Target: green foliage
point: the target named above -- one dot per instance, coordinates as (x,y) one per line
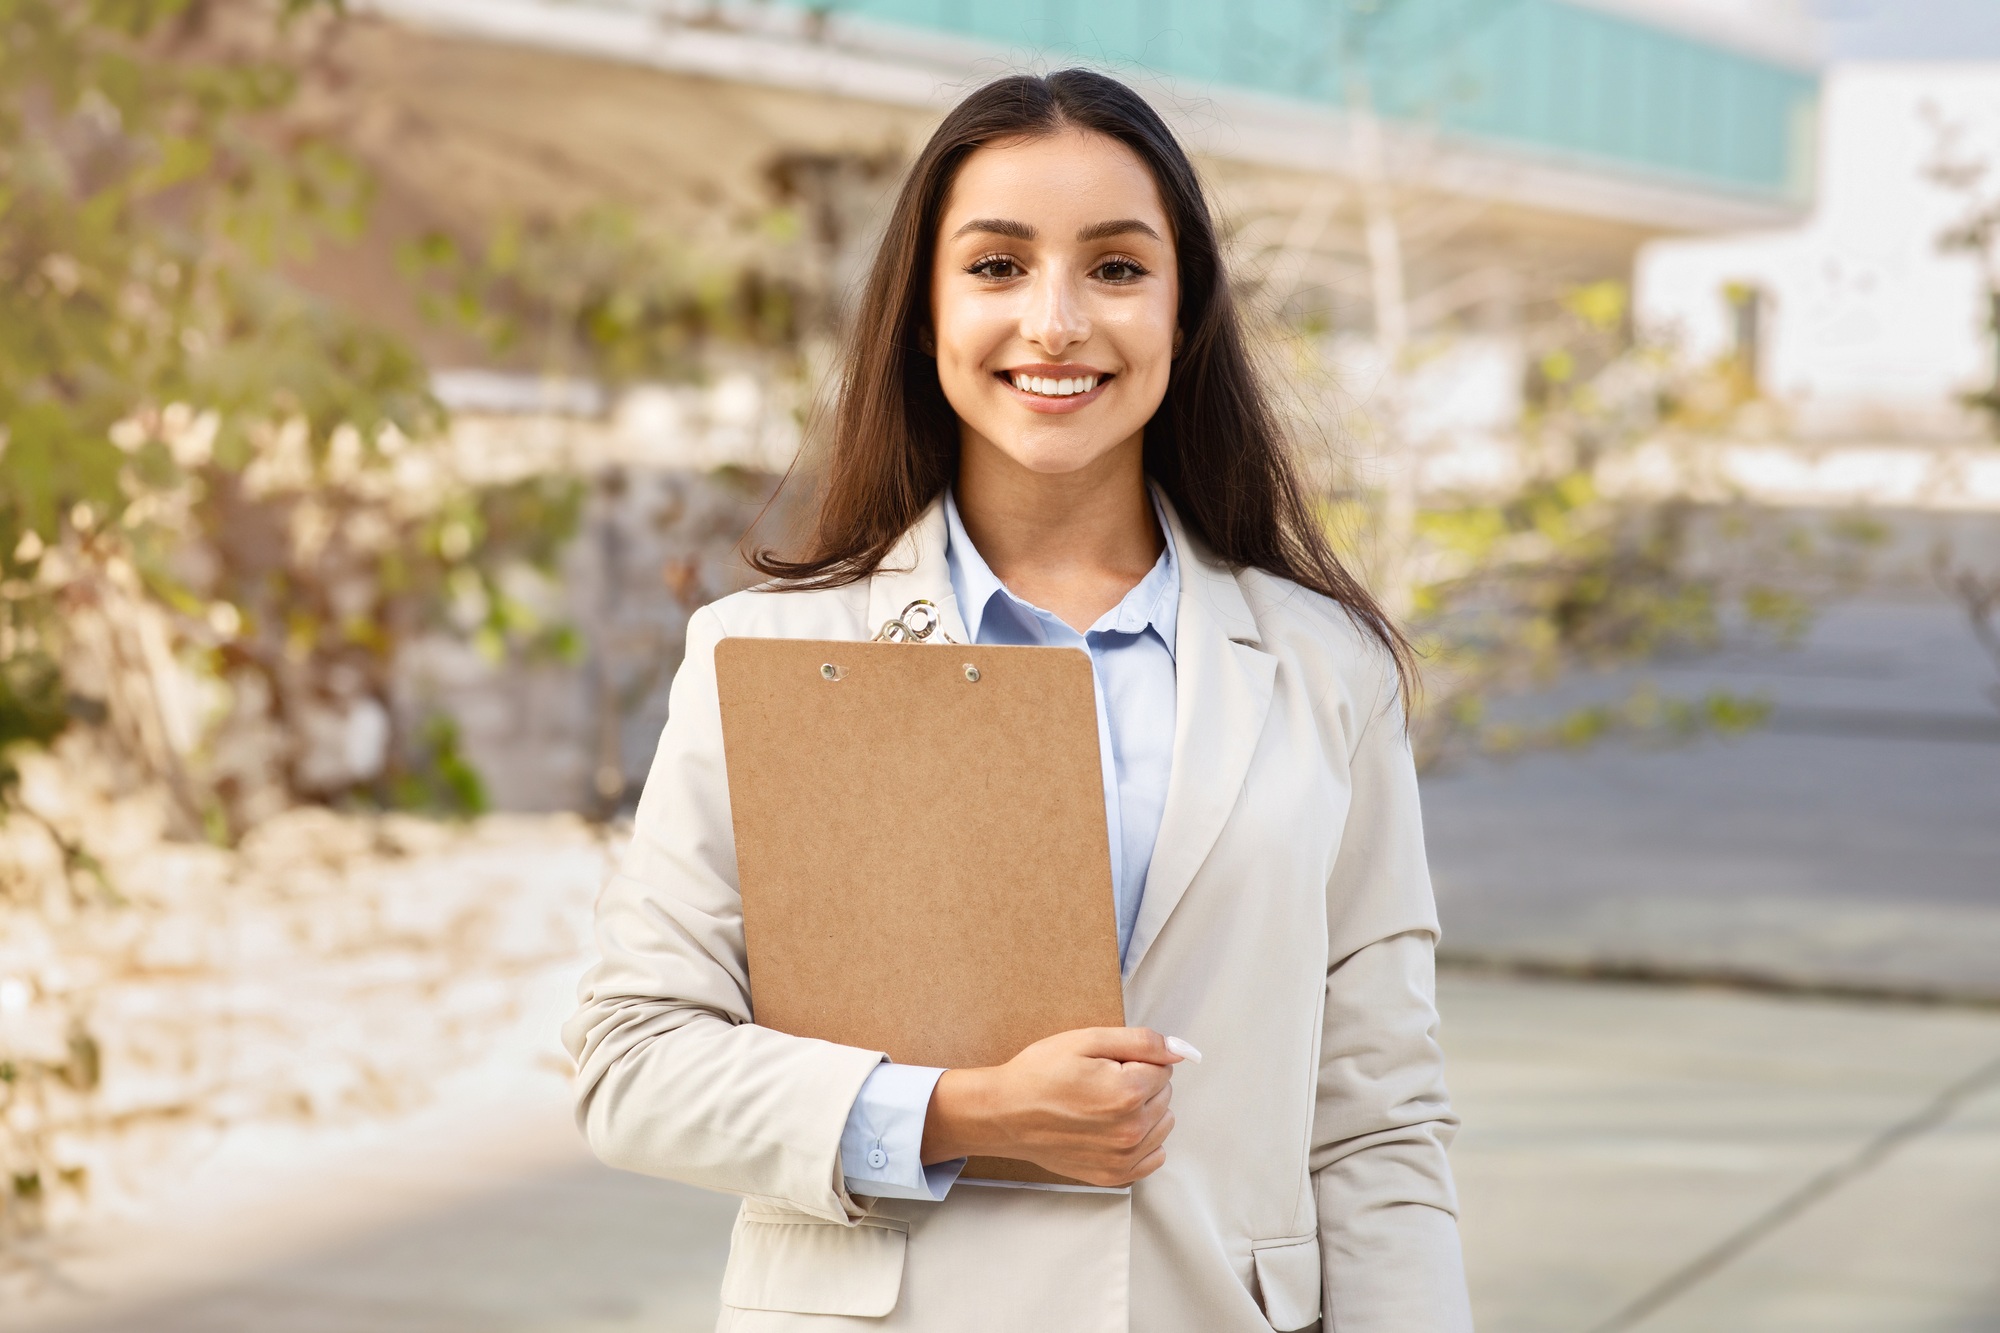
(226,506)
(1974,233)
(602,296)
(443,780)
(1595,581)
(189,437)
(1517,589)
(1645,716)
(28,1085)
(313,590)
(33,709)
(148,180)
(1784,612)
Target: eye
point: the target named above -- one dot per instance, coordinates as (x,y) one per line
(1120,270)
(994,268)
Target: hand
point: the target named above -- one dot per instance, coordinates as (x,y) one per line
(1092,1104)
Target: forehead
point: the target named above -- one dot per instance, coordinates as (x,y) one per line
(1053,181)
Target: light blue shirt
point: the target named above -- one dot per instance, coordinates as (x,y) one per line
(1131,651)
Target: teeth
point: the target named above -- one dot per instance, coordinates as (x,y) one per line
(1055,388)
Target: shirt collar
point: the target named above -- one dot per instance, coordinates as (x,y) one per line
(1153,602)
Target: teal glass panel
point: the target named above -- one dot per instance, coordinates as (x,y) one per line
(1543,75)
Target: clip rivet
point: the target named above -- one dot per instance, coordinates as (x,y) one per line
(971,672)
(831,672)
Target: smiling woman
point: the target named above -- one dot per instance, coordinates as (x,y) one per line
(1088,152)
(1047,427)
(1054,335)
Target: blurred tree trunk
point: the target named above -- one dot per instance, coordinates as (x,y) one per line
(1396,534)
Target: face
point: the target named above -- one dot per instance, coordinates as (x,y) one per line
(1053,300)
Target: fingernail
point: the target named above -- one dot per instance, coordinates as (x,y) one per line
(1184,1050)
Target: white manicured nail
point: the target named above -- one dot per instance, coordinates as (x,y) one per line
(1184,1050)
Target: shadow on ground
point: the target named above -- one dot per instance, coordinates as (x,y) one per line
(579,1249)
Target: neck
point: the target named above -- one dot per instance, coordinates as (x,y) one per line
(1073,543)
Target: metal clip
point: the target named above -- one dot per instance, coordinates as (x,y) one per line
(920,619)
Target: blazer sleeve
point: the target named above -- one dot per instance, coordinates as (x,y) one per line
(1388,1224)
(673,1079)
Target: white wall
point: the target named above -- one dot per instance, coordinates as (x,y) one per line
(1870,330)
(1785,30)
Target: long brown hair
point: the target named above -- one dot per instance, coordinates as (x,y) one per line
(1214,445)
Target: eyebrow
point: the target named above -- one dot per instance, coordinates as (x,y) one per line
(1101,231)
(1021,231)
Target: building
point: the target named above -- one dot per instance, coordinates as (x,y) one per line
(1524,146)
(1425,176)
(1870,328)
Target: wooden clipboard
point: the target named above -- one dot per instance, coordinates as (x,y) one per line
(921,846)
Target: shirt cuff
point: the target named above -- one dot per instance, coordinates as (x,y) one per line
(882,1148)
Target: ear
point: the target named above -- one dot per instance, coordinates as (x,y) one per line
(1177,340)
(927,341)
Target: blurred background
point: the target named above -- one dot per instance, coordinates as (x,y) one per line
(381,388)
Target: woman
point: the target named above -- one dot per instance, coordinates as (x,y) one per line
(1048,427)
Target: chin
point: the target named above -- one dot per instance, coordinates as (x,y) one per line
(1054,457)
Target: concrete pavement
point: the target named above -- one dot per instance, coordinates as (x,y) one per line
(1855,841)
(1613,1134)
(483,1211)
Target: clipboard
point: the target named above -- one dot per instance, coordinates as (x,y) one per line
(921,846)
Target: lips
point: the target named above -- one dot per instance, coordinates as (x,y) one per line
(1043,391)
(1054,386)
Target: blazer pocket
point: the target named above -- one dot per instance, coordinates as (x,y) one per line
(805,1265)
(1287,1280)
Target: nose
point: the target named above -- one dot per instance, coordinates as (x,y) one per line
(1055,319)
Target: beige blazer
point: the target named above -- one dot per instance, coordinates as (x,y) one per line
(1287,931)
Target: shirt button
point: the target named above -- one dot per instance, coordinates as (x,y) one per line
(877,1158)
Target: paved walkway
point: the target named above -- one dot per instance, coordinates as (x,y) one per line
(1855,841)
(483,1212)
(1614,1134)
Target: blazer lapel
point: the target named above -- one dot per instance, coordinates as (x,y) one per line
(916,569)
(1222,696)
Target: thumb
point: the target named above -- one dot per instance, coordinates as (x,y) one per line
(1130,1044)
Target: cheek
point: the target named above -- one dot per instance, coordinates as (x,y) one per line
(1145,336)
(965,331)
